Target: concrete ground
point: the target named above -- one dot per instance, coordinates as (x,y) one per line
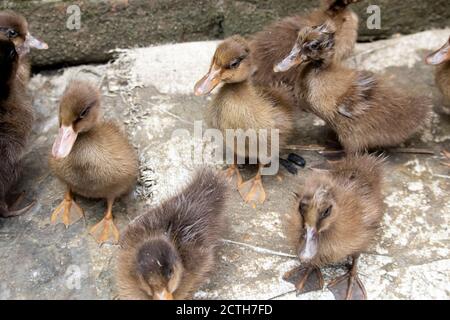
(149,91)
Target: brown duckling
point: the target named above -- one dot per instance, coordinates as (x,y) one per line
(336,215)
(92,158)
(275,42)
(360,106)
(16,120)
(441,58)
(241,105)
(168,252)
(15,27)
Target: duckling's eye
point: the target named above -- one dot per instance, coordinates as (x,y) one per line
(84,113)
(234,64)
(314,45)
(326,213)
(11,33)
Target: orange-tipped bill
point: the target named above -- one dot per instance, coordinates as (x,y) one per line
(292,60)
(64,142)
(206,84)
(163,295)
(439,56)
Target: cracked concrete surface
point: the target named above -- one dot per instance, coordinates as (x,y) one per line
(148,91)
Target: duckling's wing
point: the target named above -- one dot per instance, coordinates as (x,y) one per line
(357,100)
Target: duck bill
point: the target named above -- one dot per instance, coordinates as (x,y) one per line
(439,56)
(64,142)
(32,43)
(206,84)
(163,295)
(292,60)
(311,244)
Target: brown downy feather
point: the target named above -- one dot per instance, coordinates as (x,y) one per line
(102,162)
(275,42)
(241,105)
(16,120)
(184,230)
(352,191)
(360,106)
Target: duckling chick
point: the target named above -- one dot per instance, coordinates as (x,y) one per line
(241,105)
(168,252)
(441,58)
(336,215)
(92,158)
(360,106)
(16,119)
(15,27)
(275,42)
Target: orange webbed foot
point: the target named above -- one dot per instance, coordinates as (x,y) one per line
(105,231)
(67,212)
(252,191)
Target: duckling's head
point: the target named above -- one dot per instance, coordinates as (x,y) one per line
(441,55)
(231,64)
(79,111)
(317,211)
(15,27)
(8,59)
(313,44)
(159,269)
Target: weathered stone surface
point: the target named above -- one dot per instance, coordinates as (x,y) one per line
(148,90)
(110,24)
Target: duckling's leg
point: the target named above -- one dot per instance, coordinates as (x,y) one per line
(231,171)
(305,279)
(234,170)
(252,191)
(68,211)
(348,286)
(106,229)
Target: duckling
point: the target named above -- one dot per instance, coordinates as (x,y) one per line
(336,215)
(15,27)
(168,252)
(92,158)
(241,105)
(441,58)
(16,120)
(360,106)
(275,42)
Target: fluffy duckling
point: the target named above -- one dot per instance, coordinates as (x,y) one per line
(92,158)
(15,27)
(241,105)
(441,58)
(16,120)
(275,42)
(168,252)
(364,111)
(336,215)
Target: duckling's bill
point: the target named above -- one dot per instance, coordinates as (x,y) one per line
(64,142)
(30,43)
(206,84)
(293,59)
(440,56)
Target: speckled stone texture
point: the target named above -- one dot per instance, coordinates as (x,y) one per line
(148,91)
